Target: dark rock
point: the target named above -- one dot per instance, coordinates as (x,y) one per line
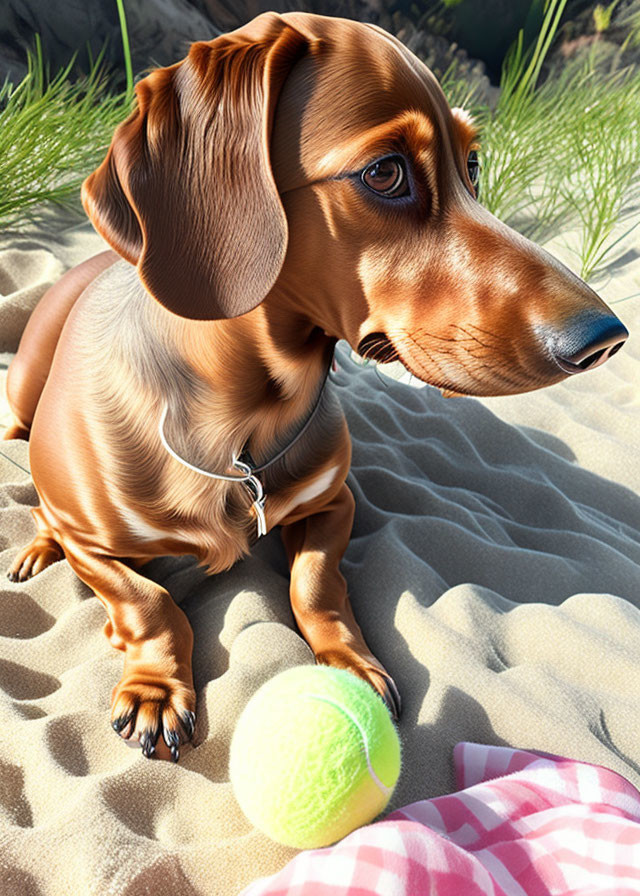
(616,47)
(160,32)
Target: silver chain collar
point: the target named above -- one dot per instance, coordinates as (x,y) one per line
(247,471)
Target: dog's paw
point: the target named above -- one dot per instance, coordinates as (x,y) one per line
(157,712)
(368,668)
(42,552)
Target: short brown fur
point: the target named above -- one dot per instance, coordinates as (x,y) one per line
(245,245)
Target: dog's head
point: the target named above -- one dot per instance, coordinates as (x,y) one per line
(314,164)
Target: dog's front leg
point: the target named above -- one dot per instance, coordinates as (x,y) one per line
(319,599)
(155,694)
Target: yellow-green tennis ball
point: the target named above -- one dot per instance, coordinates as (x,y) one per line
(314,756)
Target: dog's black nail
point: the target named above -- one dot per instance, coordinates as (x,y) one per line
(392,699)
(148,740)
(397,699)
(188,720)
(119,724)
(171,738)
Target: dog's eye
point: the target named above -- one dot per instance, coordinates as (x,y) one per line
(386,177)
(473,167)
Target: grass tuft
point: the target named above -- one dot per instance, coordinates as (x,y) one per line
(564,154)
(561,155)
(52,134)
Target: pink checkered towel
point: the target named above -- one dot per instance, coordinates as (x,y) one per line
(521,824)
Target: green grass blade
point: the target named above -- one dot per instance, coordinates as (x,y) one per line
(52,134)
(125,46)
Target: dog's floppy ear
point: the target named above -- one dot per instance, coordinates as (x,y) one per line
(186,191)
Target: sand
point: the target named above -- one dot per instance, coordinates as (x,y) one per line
(494,567)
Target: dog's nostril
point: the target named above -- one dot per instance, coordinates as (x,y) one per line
(589,342)
(590,360)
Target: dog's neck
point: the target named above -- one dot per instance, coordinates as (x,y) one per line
(262,372)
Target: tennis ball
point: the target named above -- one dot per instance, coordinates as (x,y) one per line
(314,756)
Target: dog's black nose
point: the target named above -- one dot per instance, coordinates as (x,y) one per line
(588,341)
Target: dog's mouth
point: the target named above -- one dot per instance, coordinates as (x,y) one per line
(378,347)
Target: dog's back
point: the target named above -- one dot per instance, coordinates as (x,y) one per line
(30,368)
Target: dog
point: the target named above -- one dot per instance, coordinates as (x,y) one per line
(297,181)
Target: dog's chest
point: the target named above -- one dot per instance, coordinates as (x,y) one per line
(162,505)
(187,512)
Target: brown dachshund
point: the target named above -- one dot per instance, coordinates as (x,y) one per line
(298,181)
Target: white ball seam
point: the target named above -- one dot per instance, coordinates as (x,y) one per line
(363,734)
